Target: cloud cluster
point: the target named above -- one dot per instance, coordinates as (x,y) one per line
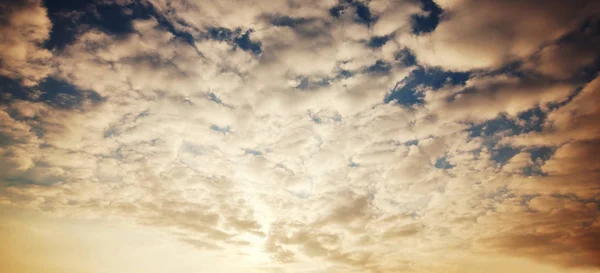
(272,129)
(24,27)
(488,34)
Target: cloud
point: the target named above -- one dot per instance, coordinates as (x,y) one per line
(392,17)
(329,136)
(488,34)
(24,29)
(488,96)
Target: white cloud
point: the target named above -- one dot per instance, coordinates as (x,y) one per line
(23,30)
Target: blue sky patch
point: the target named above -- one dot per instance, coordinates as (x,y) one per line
(542,153)
(308,84)
(286,21)
(245,43)
(405,96)
(344,74)
(61,94)
(235,37)
(380,67)
(362,12)
(490,127)
(427,23)
(353,164)
(336,11)
(70,17)
(443,163)
(412,142)
(12,89)
(378,41)
(225,129)
(531,120)
(214,98)
(222,34)
(52,91)
(406,93)
(503,154)
(253,152)
(406,57)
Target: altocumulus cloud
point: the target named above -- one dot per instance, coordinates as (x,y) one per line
(331,136)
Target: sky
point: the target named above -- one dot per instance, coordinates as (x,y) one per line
(300,136)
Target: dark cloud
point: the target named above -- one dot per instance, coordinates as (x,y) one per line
(572,57)
(575,248)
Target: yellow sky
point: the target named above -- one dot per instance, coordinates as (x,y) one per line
(33,243)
